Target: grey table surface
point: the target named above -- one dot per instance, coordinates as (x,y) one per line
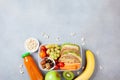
(98,21)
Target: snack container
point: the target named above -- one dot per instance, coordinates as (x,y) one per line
(40,59)
(46,69)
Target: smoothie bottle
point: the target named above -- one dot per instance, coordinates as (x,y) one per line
(31,67)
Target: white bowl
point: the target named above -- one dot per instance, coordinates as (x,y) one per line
(34,45)
(45,68)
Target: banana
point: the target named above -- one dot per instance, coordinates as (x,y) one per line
(90,66)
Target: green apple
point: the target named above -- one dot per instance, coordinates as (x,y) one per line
(52,75)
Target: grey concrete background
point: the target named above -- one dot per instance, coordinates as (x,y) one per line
(98,21)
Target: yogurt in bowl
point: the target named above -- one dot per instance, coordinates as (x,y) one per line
(31,45)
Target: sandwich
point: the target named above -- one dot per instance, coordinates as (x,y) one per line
(70,55)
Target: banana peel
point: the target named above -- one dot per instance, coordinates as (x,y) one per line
(90,66)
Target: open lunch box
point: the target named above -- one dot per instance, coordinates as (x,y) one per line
(60,57)
(65,58)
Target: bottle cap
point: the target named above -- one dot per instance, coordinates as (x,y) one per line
(25,54)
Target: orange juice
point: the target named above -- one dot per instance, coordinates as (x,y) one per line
(31,67)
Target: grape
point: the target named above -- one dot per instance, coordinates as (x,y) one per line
(48,51)
(51,45)
(58,48)
(53,50)
(58,55)
(58,51)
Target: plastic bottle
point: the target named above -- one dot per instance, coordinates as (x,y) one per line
(31,67)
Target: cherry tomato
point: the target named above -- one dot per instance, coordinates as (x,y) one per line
(61,64)
(56,67)
(42,54)
(43,48)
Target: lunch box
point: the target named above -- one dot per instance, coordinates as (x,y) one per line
(40,59)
